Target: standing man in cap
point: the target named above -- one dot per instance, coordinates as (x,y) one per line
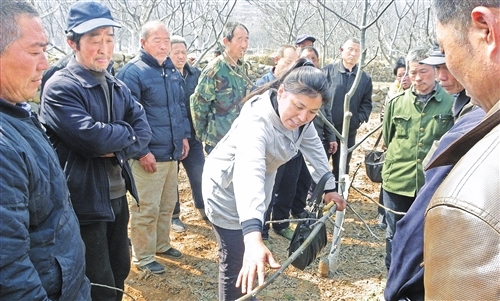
(42,253)
(412,122)
(95,126)
(304,40)
(448,82)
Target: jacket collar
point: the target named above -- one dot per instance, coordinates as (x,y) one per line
(342,69)
(83,75)
(13,110)
(437,91)
(151,61)
(188,68)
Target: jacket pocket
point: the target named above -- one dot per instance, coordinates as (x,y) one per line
(443,123)
(402,124)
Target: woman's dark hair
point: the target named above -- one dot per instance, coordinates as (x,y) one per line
(400,63)
(302,78)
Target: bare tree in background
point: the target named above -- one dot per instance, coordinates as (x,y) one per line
(405,26)
(370,15)
(285,19)
(200,22)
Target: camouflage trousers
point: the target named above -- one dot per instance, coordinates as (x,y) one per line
(150,224)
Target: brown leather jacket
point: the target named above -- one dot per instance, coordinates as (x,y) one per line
(462,223)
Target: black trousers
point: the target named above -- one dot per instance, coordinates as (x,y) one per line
(351,140)
(107,253)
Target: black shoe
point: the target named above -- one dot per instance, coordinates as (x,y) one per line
(154,267)
(177,225)
(172,253)
(303,214)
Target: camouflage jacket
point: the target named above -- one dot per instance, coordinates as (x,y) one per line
(216,101)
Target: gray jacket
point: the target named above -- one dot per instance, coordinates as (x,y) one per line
(239,173)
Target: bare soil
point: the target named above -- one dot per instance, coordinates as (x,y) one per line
(361,274)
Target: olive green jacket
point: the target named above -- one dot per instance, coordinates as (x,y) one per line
(409,131)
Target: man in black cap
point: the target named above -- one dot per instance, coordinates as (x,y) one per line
(304,40)
(95,126)
(448,82)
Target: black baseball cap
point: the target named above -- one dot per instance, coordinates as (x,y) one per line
(304,37)
(86,16)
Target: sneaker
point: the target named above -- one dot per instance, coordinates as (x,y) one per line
(177,225)
(267,244)
(154,267)
(286,233)
(172,253)
(203,214)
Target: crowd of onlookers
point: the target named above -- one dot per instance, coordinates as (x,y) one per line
(253,153)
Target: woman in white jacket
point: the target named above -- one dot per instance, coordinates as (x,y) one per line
(238,176)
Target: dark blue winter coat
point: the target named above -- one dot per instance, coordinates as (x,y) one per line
(42,255)
(189,83)
(158,88)
(76,117)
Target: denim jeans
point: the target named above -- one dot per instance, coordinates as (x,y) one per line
(107,256)
(397,203)
(193,164)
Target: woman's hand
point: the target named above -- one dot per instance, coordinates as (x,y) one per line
(254,260)
(337,198)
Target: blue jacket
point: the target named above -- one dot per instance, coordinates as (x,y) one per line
(76,118)
(266,78)
(158,89)
(406,275)
(341,82)
(42,255)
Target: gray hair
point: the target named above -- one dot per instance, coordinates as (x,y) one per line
(352,39)
(308,49)
(458,12)
(417,54)
(149,26)
(281,51)
(230,27)
(176,39)
(10,11)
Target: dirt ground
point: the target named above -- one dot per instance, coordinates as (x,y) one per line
(361,274)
